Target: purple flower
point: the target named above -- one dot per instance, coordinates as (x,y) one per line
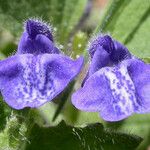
(38,72)
(117,84)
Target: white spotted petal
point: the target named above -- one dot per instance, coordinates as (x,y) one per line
(116,92)
(30,81)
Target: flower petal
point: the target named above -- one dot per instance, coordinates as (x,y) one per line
(140,74)
(35,27)
(123,93)
(37,79)
(41,44)
(104,41)
(109,91)
(100,59)
(94,95)
(9,67)
(120,53)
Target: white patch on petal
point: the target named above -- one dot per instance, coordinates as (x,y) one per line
(33,87)
(122,87)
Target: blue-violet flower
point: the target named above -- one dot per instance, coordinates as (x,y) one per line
(117,83)
(38,71)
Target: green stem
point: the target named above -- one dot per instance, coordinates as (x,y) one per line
(64,99)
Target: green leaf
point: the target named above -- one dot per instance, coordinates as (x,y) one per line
(137,124)
(93,136)
(13,13)
(5,112)
(147,60)
(128,21)
(5,138)
(65,96)
(13,134)
(47,112)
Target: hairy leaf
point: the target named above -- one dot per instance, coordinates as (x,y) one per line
(136,124)
(93,136)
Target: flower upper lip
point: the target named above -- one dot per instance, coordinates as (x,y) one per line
(37,39)
(35,27)
(104,41)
